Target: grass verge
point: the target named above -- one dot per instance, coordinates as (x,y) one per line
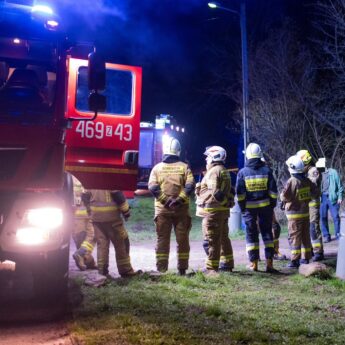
(237,308)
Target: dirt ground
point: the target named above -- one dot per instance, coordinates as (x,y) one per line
(143,257)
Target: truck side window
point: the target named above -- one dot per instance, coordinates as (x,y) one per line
(119,90)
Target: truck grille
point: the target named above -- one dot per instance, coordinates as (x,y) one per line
(10,158)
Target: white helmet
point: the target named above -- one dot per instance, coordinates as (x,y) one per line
(295,165)
(321,163)
(215,154)
(171,146)
(253,151)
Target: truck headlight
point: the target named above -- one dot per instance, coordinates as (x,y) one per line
(38,225)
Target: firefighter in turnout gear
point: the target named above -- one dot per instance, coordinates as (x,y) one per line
(214,199)
(296,195)
(108,209)
(171,182)
(256,191)
(314,205)
(83,232)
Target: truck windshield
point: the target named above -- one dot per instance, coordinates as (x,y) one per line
(27,81)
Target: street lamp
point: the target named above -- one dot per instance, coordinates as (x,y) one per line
(245,93)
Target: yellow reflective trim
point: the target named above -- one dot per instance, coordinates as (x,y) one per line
(72,168)
(241,197)
(297,216)
(103,208)
(269,245)
(295,251)
(256,184)
(226,257)
(248,248)
(80,213)
(314,203)
(212,209)
(261,204)
(303,193)
(316,245)
(273,195)
(306,250)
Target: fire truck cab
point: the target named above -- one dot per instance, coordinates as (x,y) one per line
(48,131)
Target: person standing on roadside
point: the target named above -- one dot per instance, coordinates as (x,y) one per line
(256,192)
(214,199)
(332,193)
(171,182)
(314,205)
(108,209)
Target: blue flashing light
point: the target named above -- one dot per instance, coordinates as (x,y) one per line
(42,9)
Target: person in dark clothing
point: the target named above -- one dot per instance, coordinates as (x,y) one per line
(256,191)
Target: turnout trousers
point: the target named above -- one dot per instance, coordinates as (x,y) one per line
(181,222)
(217,243)
(315,230)
(253,217)
(115,233)
(299,239)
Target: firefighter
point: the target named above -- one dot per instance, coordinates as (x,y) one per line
(171,182)
(256,191)
(314,205)
(214,199)
(108,209)
(83,232)
(296,195)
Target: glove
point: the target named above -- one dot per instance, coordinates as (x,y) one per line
(126,214)
(169,202)
(176,203)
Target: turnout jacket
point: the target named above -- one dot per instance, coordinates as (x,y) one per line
(106,206)
(171,178)
(214,194)
(256,186)
(296,195)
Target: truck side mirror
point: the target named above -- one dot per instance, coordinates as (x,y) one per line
(96,72)
(97,102)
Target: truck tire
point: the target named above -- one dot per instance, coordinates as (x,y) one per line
(50,277)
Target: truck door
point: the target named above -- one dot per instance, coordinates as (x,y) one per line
(103,153)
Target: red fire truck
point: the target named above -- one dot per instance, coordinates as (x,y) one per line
(47,131)
(152,135)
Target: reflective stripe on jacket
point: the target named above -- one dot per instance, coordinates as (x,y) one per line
(173,179)
(256,186)
(103,208)
(296,195)
(215,191)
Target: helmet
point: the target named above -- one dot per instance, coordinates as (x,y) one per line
(253,151)
(321,163)
(171,146)
(295,165)
(215,154)
(305,156)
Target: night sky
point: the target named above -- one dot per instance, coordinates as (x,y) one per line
(175,44)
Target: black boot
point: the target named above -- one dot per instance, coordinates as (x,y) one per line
(293,264)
